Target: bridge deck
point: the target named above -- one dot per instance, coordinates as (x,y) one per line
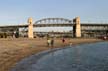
(52,25)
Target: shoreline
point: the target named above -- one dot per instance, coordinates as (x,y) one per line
(15,50)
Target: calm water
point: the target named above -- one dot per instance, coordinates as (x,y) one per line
(86,57)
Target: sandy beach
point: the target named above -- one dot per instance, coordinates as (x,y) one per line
(14,50)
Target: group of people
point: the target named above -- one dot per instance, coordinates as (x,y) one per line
(50,41)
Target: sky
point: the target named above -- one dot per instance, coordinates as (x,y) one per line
(14,12)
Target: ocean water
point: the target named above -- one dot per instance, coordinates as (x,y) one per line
(85,57)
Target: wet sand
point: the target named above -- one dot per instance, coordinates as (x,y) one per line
(14,50)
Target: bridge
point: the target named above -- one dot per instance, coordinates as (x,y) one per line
(79,29)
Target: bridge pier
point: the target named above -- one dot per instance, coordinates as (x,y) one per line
(77,27)
(30,28)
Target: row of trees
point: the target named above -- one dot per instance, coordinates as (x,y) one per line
(5,35)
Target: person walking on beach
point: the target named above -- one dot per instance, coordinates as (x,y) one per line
(52,42)
(63,40)
(48,42)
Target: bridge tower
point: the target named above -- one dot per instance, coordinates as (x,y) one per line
(77,27)
(30,28)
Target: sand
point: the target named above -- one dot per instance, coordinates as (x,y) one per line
(14,50)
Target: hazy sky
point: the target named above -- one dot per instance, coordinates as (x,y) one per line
(17,11)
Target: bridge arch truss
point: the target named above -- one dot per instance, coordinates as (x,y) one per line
(53,21)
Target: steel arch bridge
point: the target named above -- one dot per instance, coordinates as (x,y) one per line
(87,29)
